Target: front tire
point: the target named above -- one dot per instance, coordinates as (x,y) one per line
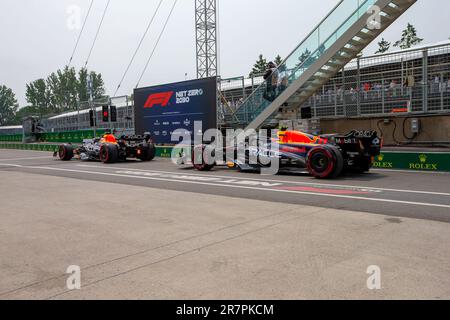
(109,153)
(65,152)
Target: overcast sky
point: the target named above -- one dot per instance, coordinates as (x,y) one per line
(35,38)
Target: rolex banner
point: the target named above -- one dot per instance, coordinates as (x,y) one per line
(413,161)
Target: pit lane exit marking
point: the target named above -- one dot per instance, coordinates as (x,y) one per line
(232,186)
(362,188)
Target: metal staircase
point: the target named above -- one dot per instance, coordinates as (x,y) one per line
(339,38)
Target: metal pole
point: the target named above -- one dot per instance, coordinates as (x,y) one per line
(78,115)
(335,99)
(92,105)
(441,88)
(358,91)
(425,82)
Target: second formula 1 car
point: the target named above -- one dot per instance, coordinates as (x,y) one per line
(323,157)
(110,149)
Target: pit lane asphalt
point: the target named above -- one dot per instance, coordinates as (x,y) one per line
(397,194)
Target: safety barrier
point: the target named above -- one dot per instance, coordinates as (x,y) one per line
(161,151)
(11,138)
(57,137)
(30,147)
(70,136)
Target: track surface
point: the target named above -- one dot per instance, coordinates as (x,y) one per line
(398,194)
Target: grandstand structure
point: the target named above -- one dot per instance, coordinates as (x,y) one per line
(414,81)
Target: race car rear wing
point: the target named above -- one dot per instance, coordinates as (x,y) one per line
(361,140)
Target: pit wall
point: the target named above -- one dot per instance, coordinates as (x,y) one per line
(434,128)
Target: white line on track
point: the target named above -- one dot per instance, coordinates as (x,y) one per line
(412,172)
(276,181)
(30,158)
(234,186)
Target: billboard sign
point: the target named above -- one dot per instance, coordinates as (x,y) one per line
(163,109)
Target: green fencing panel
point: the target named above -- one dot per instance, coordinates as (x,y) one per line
(58,137)
(11,138)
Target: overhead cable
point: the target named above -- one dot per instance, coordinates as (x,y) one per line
(81,33)
(138,47)
(157,42)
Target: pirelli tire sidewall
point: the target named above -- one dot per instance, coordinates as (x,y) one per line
(340,163)
(325,162)
(109,153)
(65,152)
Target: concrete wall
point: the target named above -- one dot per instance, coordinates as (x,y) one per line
(433,128)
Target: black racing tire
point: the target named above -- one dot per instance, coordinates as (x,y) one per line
(339,168)
(148,153)
(321,162)
(200,164)
(109,153)
(65,152)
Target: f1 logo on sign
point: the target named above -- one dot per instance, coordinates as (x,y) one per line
(161,99)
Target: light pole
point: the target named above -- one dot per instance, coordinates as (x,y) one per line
(91,102)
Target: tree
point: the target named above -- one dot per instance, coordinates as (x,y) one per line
(278,60)
(383,46)
(260,66)
(62,90)
(23,113)
(37,95)
(8,106)
(305,59)
(409,38)
(98,85)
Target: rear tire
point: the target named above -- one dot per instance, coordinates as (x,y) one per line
(339,169)
(322,163)
(109,153)
(65,152)
(148,153)
(198,159)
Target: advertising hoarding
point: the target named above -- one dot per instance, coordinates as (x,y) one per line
(162,109)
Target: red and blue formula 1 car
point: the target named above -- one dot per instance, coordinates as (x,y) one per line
(110,149)
(323,157)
